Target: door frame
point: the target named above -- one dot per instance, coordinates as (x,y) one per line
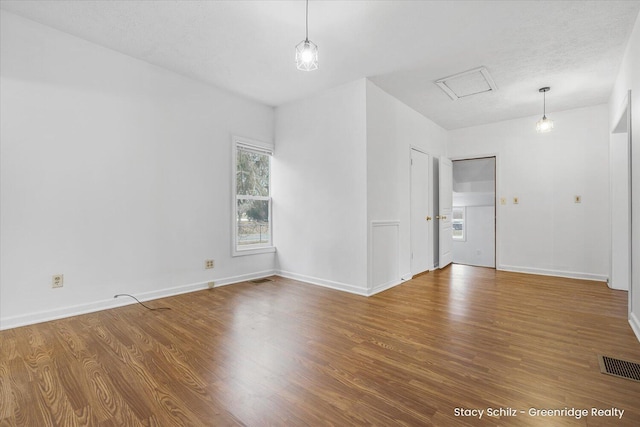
(496,202)
(621,127)
(624,118)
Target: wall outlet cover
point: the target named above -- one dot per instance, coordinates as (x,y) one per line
(57,280)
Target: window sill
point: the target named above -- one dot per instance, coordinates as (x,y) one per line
(253,251)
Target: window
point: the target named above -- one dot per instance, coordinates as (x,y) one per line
(252,198)
(459,229)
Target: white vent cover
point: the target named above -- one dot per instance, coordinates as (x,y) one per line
(469,83)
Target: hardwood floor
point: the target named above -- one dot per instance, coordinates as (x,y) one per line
(288,353)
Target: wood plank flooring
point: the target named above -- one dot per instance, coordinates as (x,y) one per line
(287,353)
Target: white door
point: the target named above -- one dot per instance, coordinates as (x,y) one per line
(421,243)
(445,235)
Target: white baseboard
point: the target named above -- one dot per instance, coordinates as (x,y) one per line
(343,286)
(244,277)
(379,288)
(556,273)
(60,313)
(635,325)
(75,310)
(384,287)
(323,282)
(617,288)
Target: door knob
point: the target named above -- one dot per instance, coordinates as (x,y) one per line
(437,216)
(443,217)
(428,218)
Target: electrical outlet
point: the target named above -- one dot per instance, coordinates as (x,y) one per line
(516,200)
(208,264)
(57,280)
(577,199)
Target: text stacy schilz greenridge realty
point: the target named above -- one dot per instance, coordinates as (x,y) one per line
(502,412)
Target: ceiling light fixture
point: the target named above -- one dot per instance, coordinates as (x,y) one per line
(307,51)
(544,124)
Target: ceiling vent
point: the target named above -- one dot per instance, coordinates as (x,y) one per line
(469,83)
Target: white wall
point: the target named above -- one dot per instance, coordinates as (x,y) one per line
(320,189)
(345,154)
(620,218)
(115,173)
(478,248)
(392,129)
(547,233)
(629,79)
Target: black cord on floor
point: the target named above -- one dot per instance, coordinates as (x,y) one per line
(148,308)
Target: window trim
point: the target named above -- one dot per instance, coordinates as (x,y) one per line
(238,142)
(464,223)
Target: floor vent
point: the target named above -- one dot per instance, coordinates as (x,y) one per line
(263,280)
(619,368)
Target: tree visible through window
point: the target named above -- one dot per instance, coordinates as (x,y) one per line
(253,197)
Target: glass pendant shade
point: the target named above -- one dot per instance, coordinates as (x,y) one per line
(306,56)
(544,125)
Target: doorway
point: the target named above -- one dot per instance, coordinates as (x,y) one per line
(474,212)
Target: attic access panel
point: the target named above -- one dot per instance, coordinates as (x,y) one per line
(469,83)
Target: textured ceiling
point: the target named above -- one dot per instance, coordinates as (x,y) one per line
(247,47)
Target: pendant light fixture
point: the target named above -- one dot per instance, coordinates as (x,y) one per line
(307,51)
(544,124)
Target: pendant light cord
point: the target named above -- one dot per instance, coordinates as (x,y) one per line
(306,23)
(544,104)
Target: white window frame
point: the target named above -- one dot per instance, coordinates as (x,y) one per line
(260,147)
(464,223)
